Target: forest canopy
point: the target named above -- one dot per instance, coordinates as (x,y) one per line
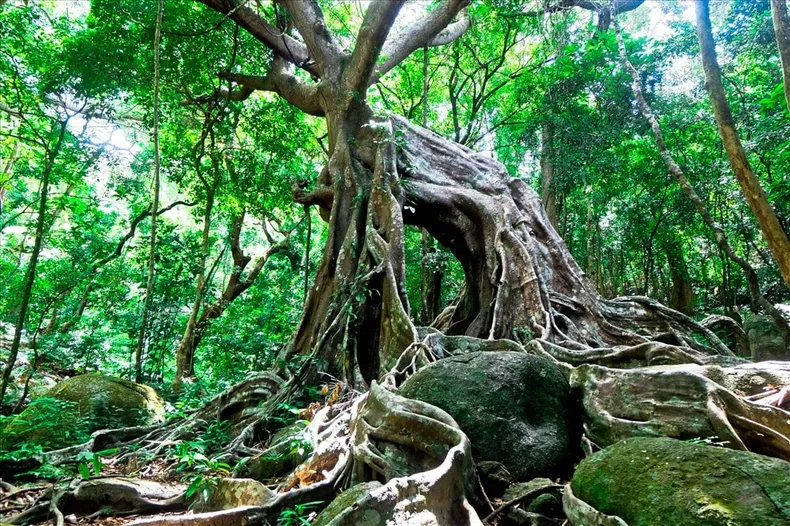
(285,213)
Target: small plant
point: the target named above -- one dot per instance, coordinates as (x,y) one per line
(203,474)
(299,515)
(216,435)
(42,423)
(88,460)
(708,441)
(200,486)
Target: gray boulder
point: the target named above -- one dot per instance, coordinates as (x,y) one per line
(515,408)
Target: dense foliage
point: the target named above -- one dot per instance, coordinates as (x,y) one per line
(75,104)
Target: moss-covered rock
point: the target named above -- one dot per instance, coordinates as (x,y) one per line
(515,408)
(288,448)
(76,407)
(345,500)
(766,340)
(648,481)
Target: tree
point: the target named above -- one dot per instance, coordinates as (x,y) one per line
(680,177)
(36,115)
(384,172)
(782,30)
(149,288)
(523,289)
(772,230)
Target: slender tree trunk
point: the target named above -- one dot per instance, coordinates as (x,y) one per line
(185,354)
(430,278)
(782,30)
(236,286)
(149,288)
(30,274)
(677,173)
(774,235)
(681,296)
(307,252)
(548,192)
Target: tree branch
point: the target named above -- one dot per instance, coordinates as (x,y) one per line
(452,32)
(132,229)
(419,34)
(603,8)
(322,196)
(321,44)
(278,79)
(283,45)
(375,27)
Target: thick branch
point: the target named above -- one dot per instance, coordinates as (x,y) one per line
(419,34)
(278,79)
(378,21)
(283,45)
(322,196)
(602,8)
(321,44)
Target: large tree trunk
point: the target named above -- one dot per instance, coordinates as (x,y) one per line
(774,235)
(521,281)
(782,30)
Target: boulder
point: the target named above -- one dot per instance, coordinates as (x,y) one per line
(648,481)
(289,447)
(515,408)
(766,340)
(76,407)
(345,500)
(229,493)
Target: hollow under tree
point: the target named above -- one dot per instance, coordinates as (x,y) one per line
(383,172)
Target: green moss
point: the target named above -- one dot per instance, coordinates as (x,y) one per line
(648,481)
(74,408)
(344,501)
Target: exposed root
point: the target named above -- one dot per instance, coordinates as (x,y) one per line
(685,402)
(735,328)
(525,496)
(53,507)
(241,516)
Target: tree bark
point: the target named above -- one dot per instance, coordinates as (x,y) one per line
(774,235)
(782,30)
(30,274)
(548,192)
(682,294)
